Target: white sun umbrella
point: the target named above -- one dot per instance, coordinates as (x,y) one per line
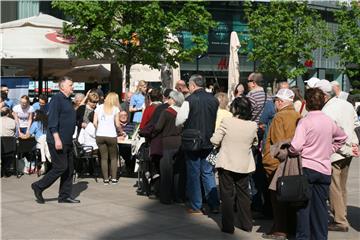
(234,71)
(33,38)
(37,43)
(87,73)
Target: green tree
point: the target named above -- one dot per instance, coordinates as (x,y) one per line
(131,32)
(284,34)
(347,38)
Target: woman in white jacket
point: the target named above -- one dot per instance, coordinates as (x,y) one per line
(87,135)
(235,136)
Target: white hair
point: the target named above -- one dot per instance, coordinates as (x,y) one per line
(63,79)
(79,96)
(178,98)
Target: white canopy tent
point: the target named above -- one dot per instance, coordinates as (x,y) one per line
(36,43)
(86,73)
(36,37)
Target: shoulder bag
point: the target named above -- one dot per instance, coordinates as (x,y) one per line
(357,132)
(191,140)
(302,107)
(293,188)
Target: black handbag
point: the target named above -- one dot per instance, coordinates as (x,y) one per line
(294,188)
(191,140)
(213,156)
(357,131)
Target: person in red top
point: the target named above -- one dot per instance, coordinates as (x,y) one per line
(155,100)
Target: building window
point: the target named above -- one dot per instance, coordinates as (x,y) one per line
(8,11)
(27,8)
(46,8)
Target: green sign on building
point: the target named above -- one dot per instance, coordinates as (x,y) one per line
(219,37)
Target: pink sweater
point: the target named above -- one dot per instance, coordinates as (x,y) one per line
(316,138)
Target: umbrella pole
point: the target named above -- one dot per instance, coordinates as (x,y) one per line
(40,75)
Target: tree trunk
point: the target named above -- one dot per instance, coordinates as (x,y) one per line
(116,79)
(127,76)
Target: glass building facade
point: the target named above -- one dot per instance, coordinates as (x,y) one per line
(230,17)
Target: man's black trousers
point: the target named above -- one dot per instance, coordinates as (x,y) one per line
(63,167)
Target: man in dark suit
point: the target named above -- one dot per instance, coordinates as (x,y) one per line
(61,126)
(201,117)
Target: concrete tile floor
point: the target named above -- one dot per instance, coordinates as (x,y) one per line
(116,212)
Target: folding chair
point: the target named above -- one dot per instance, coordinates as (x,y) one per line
(8,154)
(143,169)
(140,151)
(28,147)
(83,153)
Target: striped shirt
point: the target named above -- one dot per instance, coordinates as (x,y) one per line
(257,99)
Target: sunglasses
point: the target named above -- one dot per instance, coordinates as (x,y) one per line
(94,101)
(250,80)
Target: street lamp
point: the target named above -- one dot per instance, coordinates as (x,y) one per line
(198,57)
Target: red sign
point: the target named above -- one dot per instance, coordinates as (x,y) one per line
(49,90)
(223,63)
(58,38)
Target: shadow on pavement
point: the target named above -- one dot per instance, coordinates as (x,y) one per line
(78,188)
(169,222)
(263,223)
(160,221)
(353,214)
(51,199)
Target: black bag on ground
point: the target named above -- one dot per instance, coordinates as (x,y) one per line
(294,188)
(191,140)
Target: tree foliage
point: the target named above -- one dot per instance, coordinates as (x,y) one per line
(347,38)
(284,34)
(133,32)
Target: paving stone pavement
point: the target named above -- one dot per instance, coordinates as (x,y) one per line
(116,212)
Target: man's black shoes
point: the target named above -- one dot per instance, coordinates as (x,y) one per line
(38,193)
(40,199)
(68,200)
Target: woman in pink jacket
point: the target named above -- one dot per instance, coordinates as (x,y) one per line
(316,138)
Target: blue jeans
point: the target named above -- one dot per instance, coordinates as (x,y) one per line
(22,130)
(196,167)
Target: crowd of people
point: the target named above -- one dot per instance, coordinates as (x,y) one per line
(251,135)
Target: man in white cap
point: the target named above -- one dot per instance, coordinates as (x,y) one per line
(311,82)
(282,128)
(343,113)
(341,94)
